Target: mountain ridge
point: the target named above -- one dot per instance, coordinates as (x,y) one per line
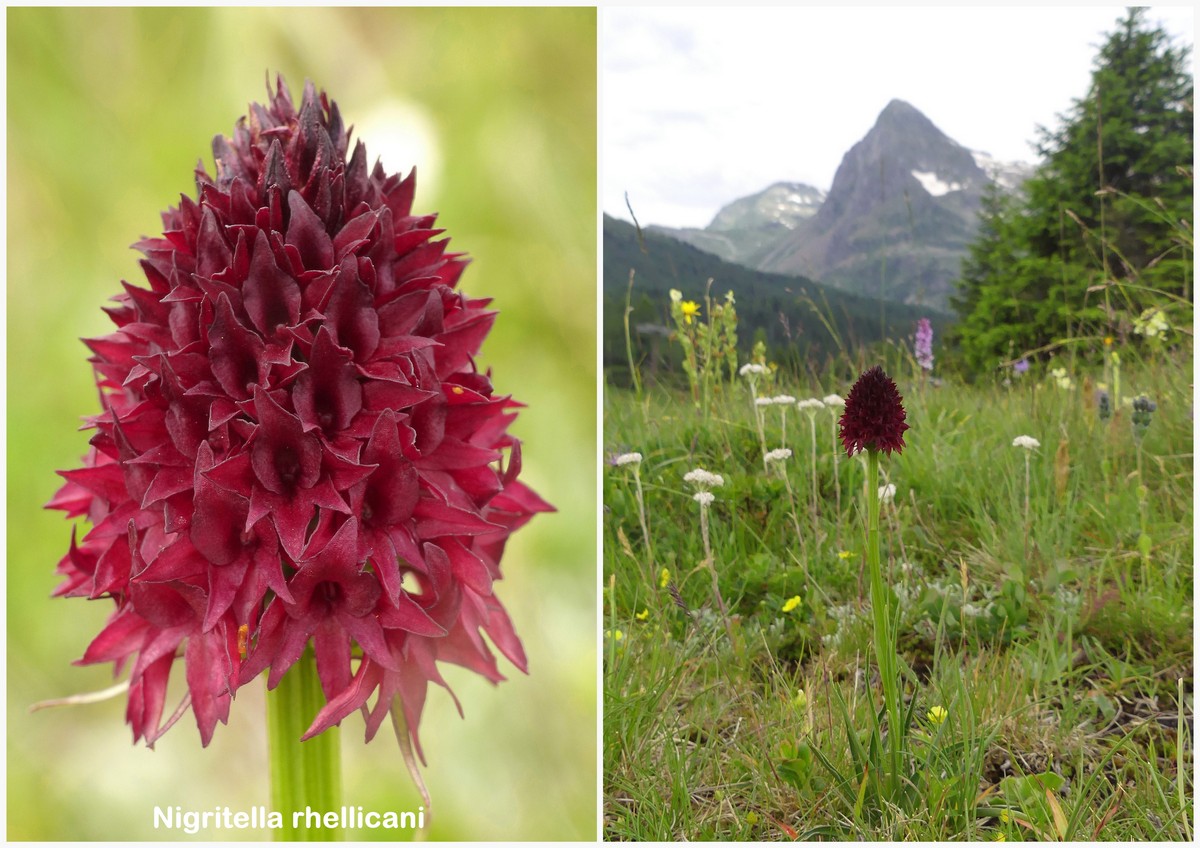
(788,312)
(896,222)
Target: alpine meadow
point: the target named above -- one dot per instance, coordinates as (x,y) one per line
(918,569)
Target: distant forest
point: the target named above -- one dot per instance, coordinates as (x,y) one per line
(794,316)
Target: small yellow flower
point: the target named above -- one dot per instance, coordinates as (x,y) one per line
(791,603)
(664,578)
(937,715)
(1005,817)
(615,635)
(844,554)
(1108,341)
(1000,837)
(643,615)
(752,818)
(690,310)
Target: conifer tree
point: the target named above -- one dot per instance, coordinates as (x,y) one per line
(1103,228)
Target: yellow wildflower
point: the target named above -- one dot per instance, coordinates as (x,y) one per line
(690,310)
(643,615)
(664,578)
(844,554)
(1108,341)
(791,603)
(752,818)
(937,715)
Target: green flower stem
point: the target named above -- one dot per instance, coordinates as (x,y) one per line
(716,588)
(759,415)
(812,420)
(837,483)
(633,367)
(1026,509)
(885,647)
(303,774)
(641,502)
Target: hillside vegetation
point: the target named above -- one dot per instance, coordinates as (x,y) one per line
(799,320)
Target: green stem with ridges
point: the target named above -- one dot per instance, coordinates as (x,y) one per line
(303,774)
(885,648)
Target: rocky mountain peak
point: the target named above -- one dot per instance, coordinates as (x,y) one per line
(903,156)
(780,204)
(895,223)
(898,217)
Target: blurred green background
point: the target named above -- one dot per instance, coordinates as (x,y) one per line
(108,113)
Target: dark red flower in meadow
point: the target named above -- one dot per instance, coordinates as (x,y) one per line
(296,448)
(874,415)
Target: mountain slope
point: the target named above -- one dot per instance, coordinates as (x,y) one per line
(898,218)
(749,228)
(895,224)
(784,308)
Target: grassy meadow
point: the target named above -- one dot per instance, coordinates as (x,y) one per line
(1044,633)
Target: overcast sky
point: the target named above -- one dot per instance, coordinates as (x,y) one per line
(702,106)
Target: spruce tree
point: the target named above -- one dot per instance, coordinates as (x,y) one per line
(1103,228)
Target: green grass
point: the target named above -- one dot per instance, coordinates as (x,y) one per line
(1056,653)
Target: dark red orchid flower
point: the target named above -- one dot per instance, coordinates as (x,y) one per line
(874,415)
(296,449)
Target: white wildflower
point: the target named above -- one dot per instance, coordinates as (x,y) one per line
(627,459)
(777,455)
(1151,323)
(810,405)
(783,400)
(676,295)
(752,368)
(1061,377)
(1027,442)
(704,479)
(835,401)
(764,401)
(704,498)
(887,493)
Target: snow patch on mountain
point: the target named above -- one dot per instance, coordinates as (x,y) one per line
(933,184)
(806,199)
(1008,175)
